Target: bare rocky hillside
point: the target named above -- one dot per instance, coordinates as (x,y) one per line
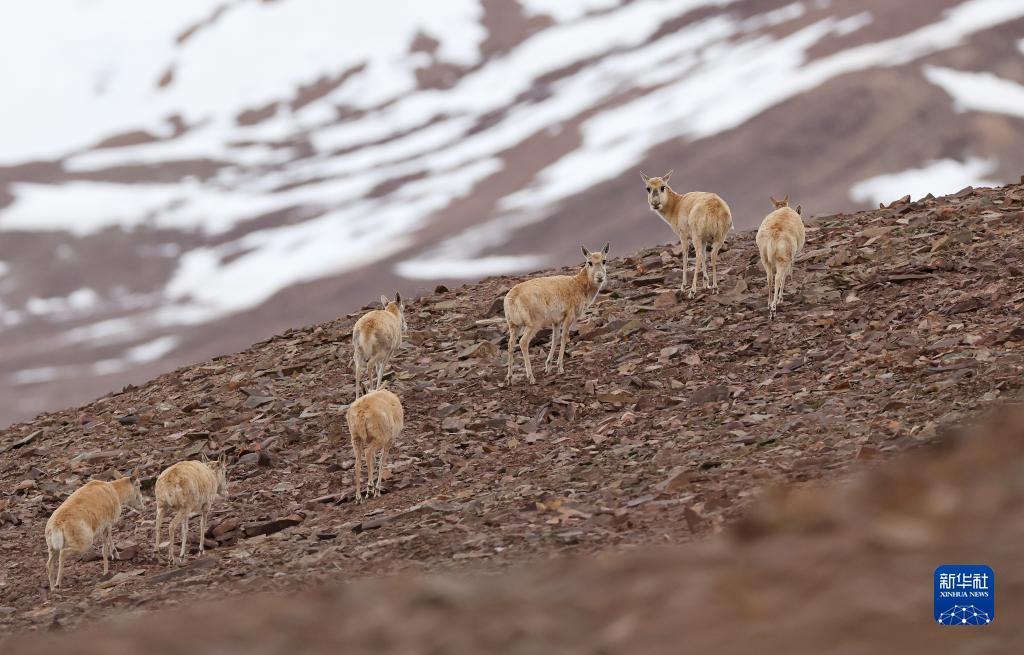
(673,415)
(825,571)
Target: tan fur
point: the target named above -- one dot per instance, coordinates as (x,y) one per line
(556,300)
(699,217)
(188,488)
(374,422)
(376,337)
(91,511)
(779,239)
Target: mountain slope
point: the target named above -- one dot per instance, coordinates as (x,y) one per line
(195,178)
(845,568)
(672,415)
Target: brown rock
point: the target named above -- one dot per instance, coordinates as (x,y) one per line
(224,527)
(25,485)
(694,521)
(867,452)
(270,527)
(712,394)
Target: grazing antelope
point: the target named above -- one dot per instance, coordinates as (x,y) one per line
(779,239)
(91,511)
(188,488)
(376,337)
(374,422)
(698,216)
(556,300)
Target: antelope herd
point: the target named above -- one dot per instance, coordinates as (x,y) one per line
(376,418)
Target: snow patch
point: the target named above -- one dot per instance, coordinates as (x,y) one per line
(468,269)
(108,331)
(76,302)
(10,317)
(565,10)
(83,208)
(854,23)
(144,353)
(979,91)
(775,17)
(36,375)
(938,177)
(152,350)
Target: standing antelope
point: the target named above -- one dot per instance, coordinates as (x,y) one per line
(374,422)
(556,300)
(376,337)
(698,216)
(187,488)
(91,511)
(779,239)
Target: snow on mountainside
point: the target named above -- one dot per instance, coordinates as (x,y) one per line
(179,179)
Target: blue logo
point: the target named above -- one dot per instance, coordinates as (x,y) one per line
(965,594)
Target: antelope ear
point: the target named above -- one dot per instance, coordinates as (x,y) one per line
(774,201)
(384,300)
(786,199)
(606,246)
(586,253)
(398,298)
(667,175)
(644,175)
(799,210)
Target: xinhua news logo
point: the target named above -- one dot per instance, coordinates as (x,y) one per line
(965,594)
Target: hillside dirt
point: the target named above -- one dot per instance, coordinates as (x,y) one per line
(672,417)
(823,571)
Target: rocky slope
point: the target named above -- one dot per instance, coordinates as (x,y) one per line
(180,182)
(672,416)
(843,569)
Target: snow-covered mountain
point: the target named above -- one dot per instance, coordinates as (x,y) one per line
(178,179)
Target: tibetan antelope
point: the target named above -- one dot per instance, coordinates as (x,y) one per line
(701,217)
(779,240)
(556,300)
(91,511)
(374,422)
(376,337)
(188,488)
